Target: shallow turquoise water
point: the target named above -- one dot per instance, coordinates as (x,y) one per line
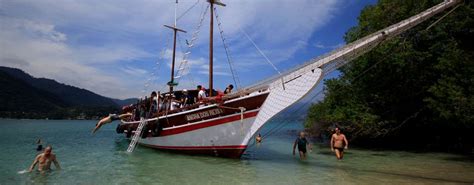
(101,159)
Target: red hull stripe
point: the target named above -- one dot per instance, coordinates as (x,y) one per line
(197,147)
(206,124)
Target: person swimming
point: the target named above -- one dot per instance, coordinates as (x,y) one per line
(259,138)
(110,119)
(39,145)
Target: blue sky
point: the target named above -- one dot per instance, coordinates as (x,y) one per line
(120,49)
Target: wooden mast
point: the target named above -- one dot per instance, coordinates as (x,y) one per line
(171,83)
(211,43)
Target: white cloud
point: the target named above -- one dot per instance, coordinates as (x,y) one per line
(110,54)
(134,71)
(108,46)
(41,50)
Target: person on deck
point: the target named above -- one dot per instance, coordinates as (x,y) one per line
(228,89)
(187,99)
(153,104)
(174,103)
(339,143)
(44,160)
(202,94)
(302,143)
(109,119)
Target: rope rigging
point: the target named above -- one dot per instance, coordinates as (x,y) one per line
(227,51)
(154,70)
(183,67)
(327,69)
(187,10)
(260,51)
(302,80)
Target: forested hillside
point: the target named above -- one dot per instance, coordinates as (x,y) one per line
(23,96)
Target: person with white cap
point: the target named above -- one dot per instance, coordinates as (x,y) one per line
(175,104)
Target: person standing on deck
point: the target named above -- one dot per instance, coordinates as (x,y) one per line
(44,160)
(154,104)
(202,94)
(302,143)
(228,89)
(339,143)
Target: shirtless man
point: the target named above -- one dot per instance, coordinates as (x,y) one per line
(44,160)
(338,143)
(109,119)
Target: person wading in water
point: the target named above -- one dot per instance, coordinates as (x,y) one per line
(44,160)
(339,143)
(302,142)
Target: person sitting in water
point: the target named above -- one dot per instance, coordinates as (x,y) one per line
(109,119)
(39,145)
(228,89)
(301,142)
(44,160)
(258,139)
(339,143)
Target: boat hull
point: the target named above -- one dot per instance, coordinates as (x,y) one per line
(215,129)
(221,137)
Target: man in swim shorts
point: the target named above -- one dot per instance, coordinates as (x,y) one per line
(302,143)
(44,160)
(109,119)
(339,143)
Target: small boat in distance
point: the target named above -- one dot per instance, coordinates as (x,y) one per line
(222,125)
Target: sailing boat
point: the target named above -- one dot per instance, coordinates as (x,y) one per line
(223,125)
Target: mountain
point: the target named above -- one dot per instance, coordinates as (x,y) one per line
(17,95)
(24,96)
(125,101)
(71,95)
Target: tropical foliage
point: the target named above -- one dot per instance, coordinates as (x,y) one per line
(413,90)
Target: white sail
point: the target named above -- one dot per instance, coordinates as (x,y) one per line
(288,88)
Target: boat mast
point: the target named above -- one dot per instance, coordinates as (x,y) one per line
(171,83)
(211,43)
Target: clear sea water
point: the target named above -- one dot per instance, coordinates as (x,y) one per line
(101,159)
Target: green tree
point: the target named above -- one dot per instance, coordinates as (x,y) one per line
(422,80)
